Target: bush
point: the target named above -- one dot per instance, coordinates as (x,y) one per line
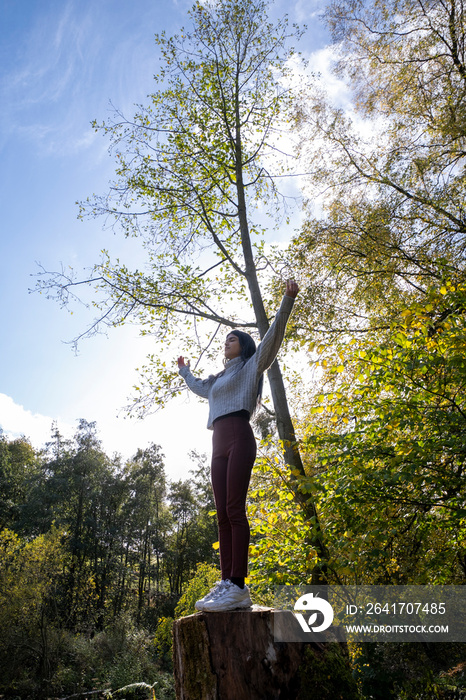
(121,661)
(205,577)
(163,642)
(410,671)
(203,580)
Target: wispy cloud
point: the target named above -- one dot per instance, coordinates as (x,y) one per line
(304,10)
(62,72)
(41,88)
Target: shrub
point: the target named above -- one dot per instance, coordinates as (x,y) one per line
(205,577)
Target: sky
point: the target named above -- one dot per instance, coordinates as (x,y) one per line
(62,62)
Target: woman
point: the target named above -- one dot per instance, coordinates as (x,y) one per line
(233,396)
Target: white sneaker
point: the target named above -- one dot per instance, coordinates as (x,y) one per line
(215,591)
(229,597)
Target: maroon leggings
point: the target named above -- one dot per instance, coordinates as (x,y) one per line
(233,454)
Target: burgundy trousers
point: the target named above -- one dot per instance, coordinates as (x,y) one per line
(233,454)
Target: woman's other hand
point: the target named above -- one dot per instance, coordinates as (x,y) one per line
(292,289)
(182,363)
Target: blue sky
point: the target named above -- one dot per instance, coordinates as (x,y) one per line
(62,62)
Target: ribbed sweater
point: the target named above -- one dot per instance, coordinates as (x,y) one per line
(235,389)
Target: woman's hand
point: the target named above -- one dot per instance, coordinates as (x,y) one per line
(292,289)
(182,363)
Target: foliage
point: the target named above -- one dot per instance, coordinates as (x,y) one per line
(392,218)
(17,463)
(204,579)
(407,671)
(381,261)
(163,641)
(40,659)
(329,671)
(120,661)
(280,552)
(389,448)
(28,585)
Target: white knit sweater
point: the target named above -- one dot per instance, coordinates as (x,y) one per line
(236,387)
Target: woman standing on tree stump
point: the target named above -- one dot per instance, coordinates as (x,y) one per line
(233,395)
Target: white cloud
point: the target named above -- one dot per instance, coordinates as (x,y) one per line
(178,430)
(322,63)
(16,421)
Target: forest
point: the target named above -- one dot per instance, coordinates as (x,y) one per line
(94,552)
(360,474)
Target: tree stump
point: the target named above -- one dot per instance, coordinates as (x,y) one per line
(233,656)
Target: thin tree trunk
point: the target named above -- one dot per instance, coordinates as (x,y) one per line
(283,418)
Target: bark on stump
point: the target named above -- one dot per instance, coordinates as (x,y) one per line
(233,656)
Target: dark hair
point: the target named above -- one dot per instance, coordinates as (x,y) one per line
(247,344)
(248,348)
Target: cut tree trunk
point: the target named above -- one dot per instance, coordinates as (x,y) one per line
(234,656)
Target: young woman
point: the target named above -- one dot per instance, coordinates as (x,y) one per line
(233,396)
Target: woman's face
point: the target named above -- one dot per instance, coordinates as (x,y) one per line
(232,346)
